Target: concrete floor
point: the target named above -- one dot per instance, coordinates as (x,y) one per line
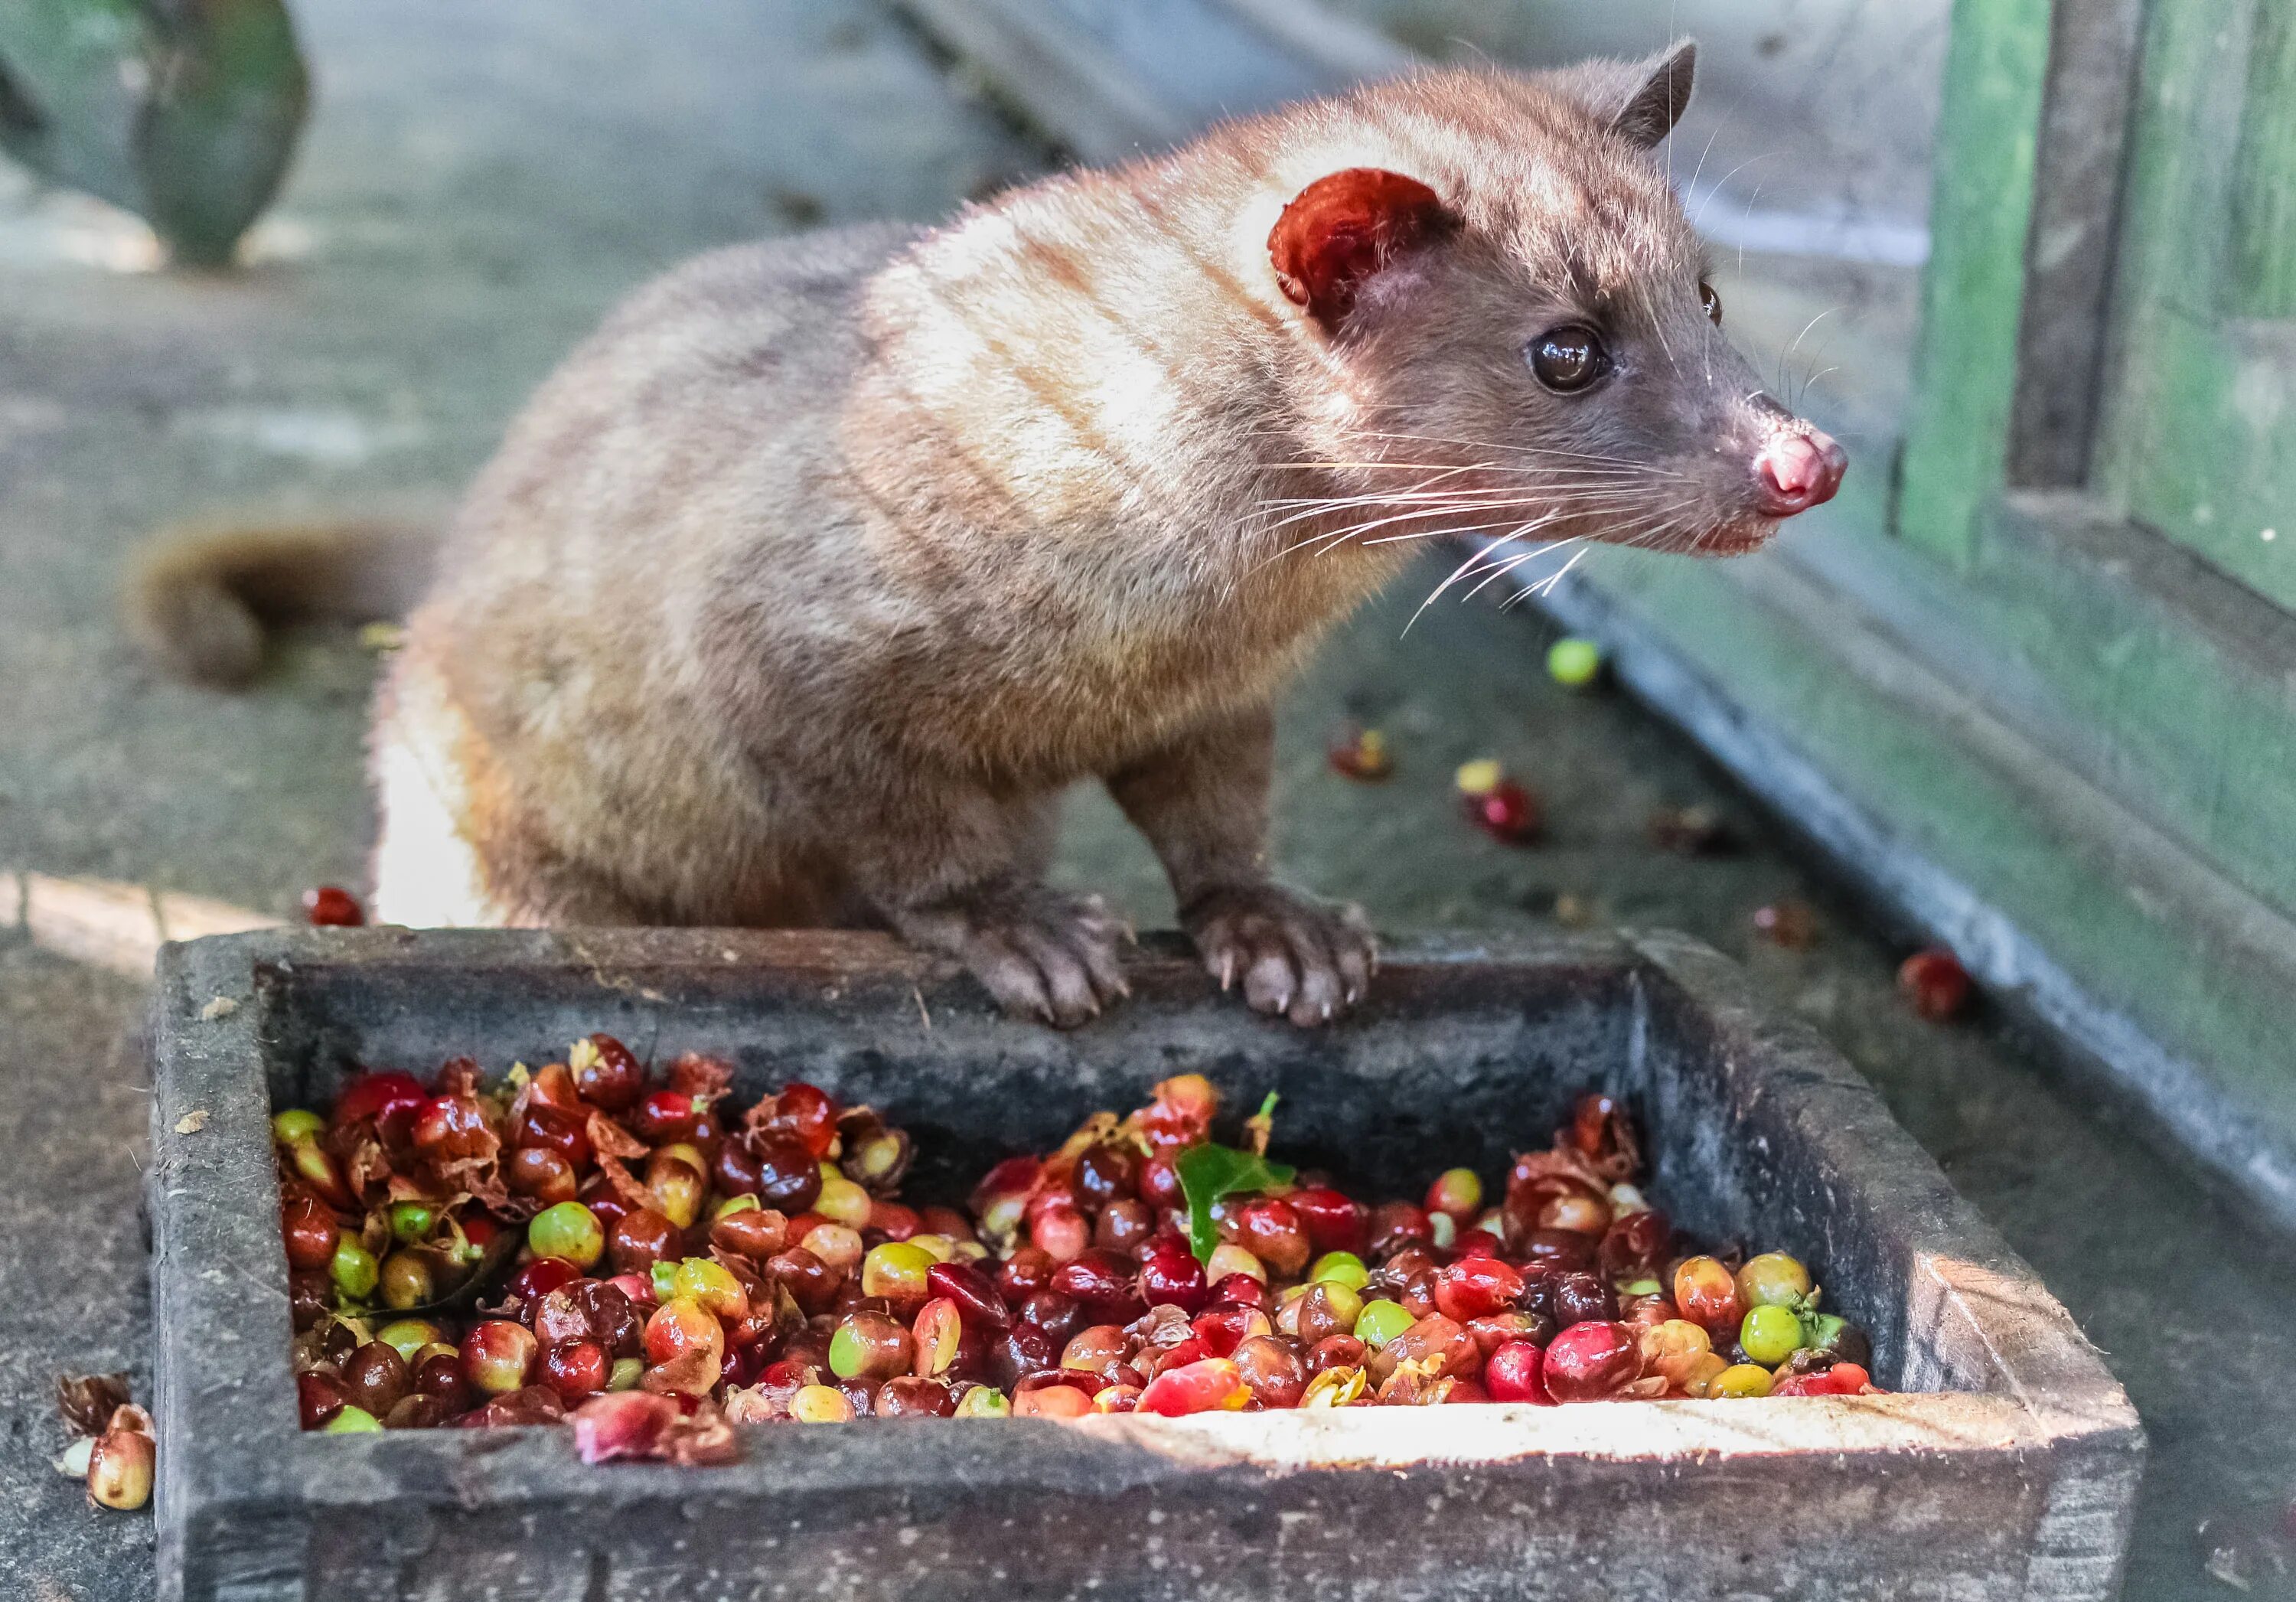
(480,184)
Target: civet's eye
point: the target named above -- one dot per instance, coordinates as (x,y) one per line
(1568,358)
(1712,302)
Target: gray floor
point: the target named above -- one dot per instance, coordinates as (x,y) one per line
(480,183)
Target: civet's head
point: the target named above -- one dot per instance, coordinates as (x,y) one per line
(1510,316)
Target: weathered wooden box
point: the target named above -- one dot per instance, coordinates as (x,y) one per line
(2007,1470)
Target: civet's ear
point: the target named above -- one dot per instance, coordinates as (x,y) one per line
(1338,233)
(1638,101)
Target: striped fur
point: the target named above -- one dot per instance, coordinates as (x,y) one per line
(809,583)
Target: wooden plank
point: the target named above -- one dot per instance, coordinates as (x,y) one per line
(1972,293)
(1338,45)
(1076,92)
(1111,82)
(2264,196)
(2101,931)
(2013,1473)
(2070,245)
(2124,655)
(2200,431)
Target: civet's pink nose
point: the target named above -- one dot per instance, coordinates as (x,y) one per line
(1796,472)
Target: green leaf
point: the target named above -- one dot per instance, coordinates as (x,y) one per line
(1209,1173)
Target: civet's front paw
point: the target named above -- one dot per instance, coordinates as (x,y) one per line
(1296,957)
(1042,954)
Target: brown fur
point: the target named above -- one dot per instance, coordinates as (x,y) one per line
(807,584)
(198,599)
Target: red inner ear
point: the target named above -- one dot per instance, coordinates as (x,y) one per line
(1342,229)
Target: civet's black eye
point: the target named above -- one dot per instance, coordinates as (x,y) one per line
(1568,358)
(1712,302)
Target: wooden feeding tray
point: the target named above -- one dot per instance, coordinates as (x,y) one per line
(2007,1467)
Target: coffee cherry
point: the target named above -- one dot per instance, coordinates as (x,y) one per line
(1328,1308)
(1123,1224)
(1707,1293)
(1475,1287)
(499,1356)
(569,1231)
(1496,804)
(120,1466)
(331,907)
(1059,1231)
(1516,1372)
(820,1404)
(1274,1370)
(1275,1234)
(1105,1283)
(869,1346)
(712,1286)
(375,1378)
(540,1277)
(1738,1380)
(1213,1385)
(1934,980)
(913,1396)
(1673,1349)
(1769,1334)
(1170,1274)
(1580,1298)
(975,1296)
(1226,1260)
(577,1370)
(838,1248)
(1458,1192)
(679,1325)
(319,1396)
(605,1072)
(1592,1362)
(409,1337)
(354,1269)
(1574,663)
(899,1273)
(1360,754)
(747,1229)
(675,1181)
(1381,1321)
(1772,1279)
(309,1231)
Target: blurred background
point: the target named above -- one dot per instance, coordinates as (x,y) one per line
(2026,691)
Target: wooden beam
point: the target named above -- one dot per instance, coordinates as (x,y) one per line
(1076,92)
(2072,240)
(1980,217)
(1821,711)
(2263,265)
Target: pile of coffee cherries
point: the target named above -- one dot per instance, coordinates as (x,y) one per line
(588,1240)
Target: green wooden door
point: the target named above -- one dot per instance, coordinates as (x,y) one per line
(2200,437)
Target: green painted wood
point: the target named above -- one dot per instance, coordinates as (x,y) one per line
(2264,199)
(2096,641)
(1980,210)
(2201,428)
(2204,989)
(2193,735)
